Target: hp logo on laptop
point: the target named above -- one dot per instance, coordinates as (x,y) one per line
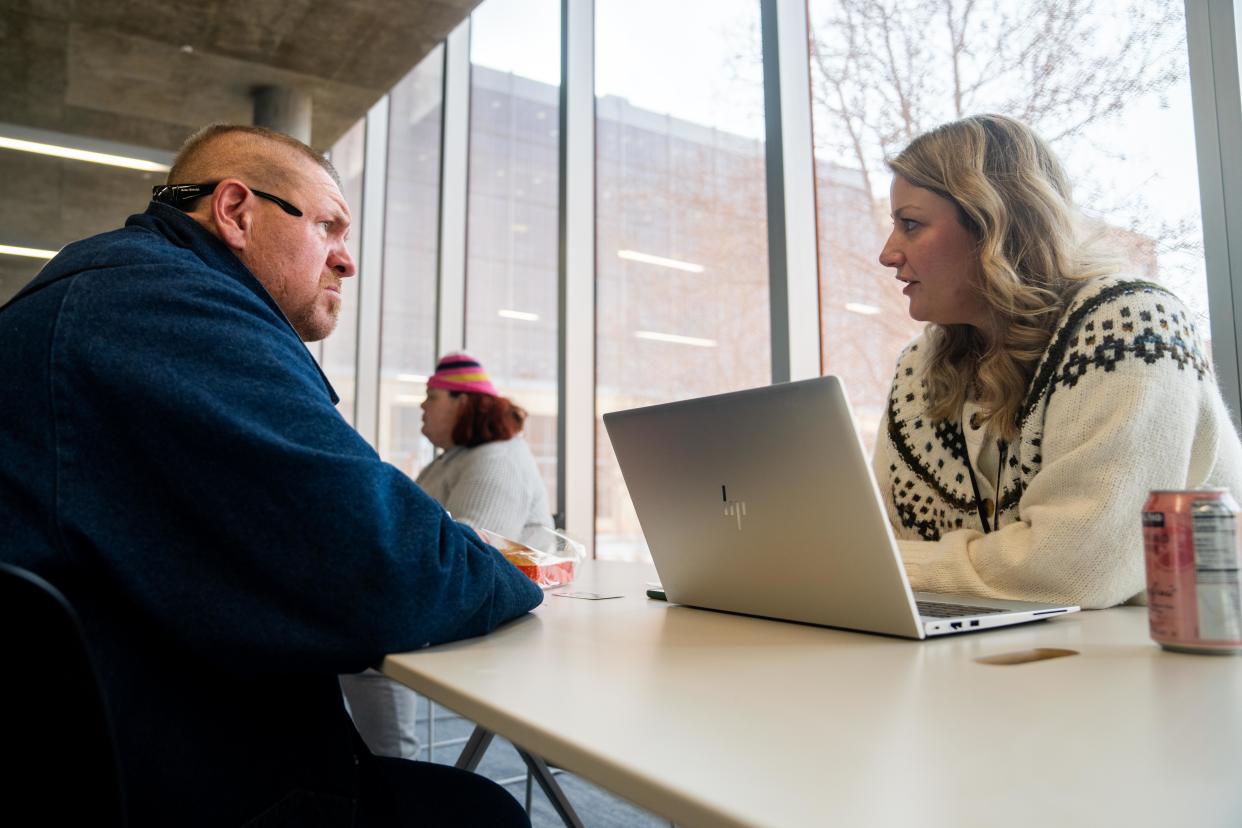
(733,508)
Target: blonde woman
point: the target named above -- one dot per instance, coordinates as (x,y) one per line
(1049,392)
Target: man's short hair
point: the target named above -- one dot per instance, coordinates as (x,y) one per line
(196,159)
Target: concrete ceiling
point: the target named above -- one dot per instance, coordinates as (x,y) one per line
(148,73)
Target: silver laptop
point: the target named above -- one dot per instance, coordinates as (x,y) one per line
(762,502)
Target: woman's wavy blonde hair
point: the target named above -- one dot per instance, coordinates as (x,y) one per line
(1035,251)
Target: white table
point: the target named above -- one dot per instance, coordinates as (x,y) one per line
(713,719)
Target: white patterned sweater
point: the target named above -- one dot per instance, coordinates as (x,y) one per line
(1124,401)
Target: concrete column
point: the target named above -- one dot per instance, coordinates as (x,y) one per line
(283,109)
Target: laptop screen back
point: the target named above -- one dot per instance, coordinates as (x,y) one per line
(763,502)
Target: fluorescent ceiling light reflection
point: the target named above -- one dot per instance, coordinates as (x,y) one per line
(514,314)
(411,378)
(676,339)
(859,307)
(29,252)
(82,155)
(647,258)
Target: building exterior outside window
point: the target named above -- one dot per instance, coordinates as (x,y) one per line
(411,249)
(512,264)
(681,221)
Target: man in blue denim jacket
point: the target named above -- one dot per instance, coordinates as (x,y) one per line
(171,459)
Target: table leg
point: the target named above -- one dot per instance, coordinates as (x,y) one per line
(543,775)
(475,747)
(478,743)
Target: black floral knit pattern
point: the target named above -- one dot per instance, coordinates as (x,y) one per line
(1120,322)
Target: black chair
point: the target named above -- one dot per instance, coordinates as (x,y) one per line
(60,764)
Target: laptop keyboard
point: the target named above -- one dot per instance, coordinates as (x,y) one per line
(933,609)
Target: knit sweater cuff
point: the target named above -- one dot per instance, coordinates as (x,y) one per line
(942,566)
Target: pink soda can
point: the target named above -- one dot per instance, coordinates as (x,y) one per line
(1194,600)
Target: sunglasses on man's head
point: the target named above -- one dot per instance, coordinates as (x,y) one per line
(180,196)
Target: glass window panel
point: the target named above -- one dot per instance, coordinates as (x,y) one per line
(1107,84)
(338,354)
(681,215)
(512,253)
(411,249)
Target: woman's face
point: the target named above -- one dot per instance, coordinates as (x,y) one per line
(440,416)
(935,257)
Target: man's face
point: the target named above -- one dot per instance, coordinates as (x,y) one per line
(302,260)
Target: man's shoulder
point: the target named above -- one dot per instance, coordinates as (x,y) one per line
(128,250)
(138,287)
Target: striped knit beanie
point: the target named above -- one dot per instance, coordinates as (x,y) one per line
(459,371)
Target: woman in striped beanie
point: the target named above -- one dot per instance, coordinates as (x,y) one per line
(462,407)
(487,478)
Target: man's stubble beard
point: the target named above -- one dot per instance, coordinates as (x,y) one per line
(308,333)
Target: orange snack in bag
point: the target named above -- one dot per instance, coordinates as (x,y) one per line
(544,568)
(540,567)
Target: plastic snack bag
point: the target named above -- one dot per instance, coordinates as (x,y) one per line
(544,555)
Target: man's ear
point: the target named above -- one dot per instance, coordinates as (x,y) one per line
(231,213)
